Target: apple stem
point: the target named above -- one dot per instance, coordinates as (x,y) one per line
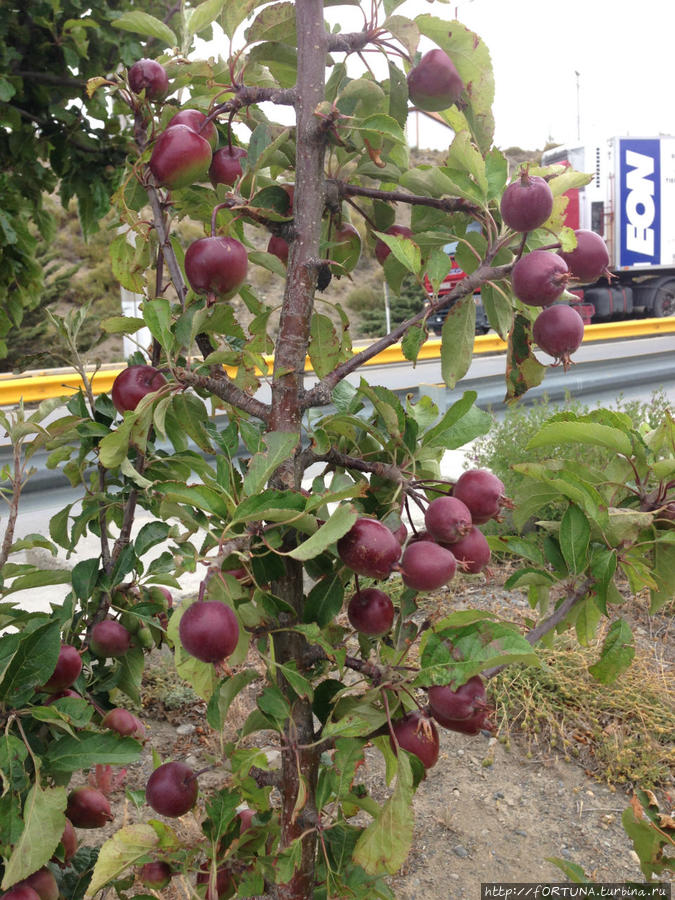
(214,215)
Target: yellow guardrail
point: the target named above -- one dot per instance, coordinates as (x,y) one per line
(36,386)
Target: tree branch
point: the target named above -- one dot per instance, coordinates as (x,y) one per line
(320,394)
(445,204)
(556,617)
(224,388)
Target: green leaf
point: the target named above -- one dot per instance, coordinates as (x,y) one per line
(275,23)
(85,577)
(385,843)
(122,325)
(460,424)
(573,871)
(332,530)
(44,820)
(438,266)
(496,298)
(204,14)
(617,653)
(404,250)
(150,535)
(122,851)
(37,578)
(574,537)
(115,446)
(523,369)
(31,664)
(325,600)
(457,339)
(225,692)
(324,345)
(198,496)
(280,447)
(157,316)
(147,25)
(68,754)
(412,342)
(574,433)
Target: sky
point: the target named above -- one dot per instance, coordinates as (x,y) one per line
(574,68)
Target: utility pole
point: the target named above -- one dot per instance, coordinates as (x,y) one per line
(578,109)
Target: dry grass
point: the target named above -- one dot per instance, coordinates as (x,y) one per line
(623,733)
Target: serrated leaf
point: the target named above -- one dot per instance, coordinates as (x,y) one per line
(68,754)
(574,537)
(280,446)
(157,316)
(457,339)
(143,23)
(574,433)
(404,250)
(204,15)
(331,531)
(43,823)
(385,843)
(31,664)
(122,324)
(324,345)
(617,653)
(123,850)
(225,692)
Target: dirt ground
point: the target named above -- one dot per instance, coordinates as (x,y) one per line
(487,812)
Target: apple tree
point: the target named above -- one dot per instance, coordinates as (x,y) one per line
(318,516)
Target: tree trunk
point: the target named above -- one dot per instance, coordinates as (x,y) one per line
(299,760)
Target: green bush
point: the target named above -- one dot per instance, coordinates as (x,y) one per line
(506,443)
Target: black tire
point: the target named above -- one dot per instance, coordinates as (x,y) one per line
(664,300)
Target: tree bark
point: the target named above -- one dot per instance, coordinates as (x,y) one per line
(299,761)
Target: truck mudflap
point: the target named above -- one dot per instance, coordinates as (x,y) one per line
(610,301)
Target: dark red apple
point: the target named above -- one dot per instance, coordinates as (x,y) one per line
(180,157)
(482,492)
(120,720)
(371,611)
(472,551)
(344,249)
(526,203)
(21,892)
(369,548)
(539,278)
(466,701)
(172,789)
(66,672)
(279,247)
(226,165)
(589,259)
(69,843)
(223,881)
(132,384)
(59,695)
(382,251)
(245,817)
(447,519)
(559,330)
(416,733)
(109,639)
(216,265)
(434,83)
(43,883)
(150,76)
(155,875)
(195,119)
(426,566)
(209,630)
(88,808)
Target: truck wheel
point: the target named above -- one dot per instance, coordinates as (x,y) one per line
(664,300)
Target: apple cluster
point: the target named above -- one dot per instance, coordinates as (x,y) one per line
(540,277)
(426,561)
